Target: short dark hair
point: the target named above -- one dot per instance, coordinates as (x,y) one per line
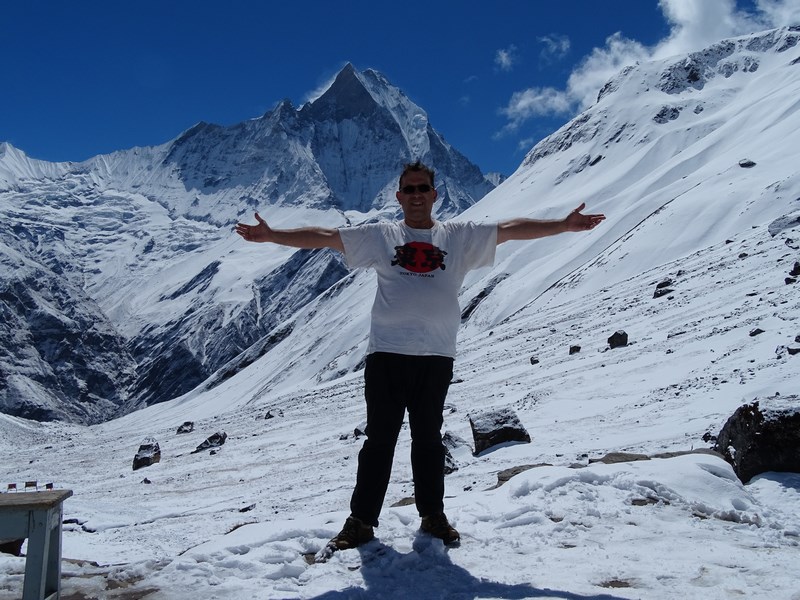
(416,167)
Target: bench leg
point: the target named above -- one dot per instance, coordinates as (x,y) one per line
(53,577)
(43,561)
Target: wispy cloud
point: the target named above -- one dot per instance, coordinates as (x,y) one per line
(534,102)
(556,47)
(505,58)
(694,24)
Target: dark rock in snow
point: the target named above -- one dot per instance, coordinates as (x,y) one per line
(452,442)
(762,436)
(619,457)
(13,547)
(496,427)
(214,441)
(187,427)
(149,453)
(506,474)
(361,429)
(662,292)
(756,331)
(746,163)
(781,223)
(795,272)
(664,283)
(574,350)
(450,464)
(619,339)
(666,114)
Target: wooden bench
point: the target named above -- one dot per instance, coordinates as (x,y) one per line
(36,516)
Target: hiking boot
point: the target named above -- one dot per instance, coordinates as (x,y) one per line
(439,527)
(354,533)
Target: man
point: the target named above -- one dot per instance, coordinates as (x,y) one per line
(420,265)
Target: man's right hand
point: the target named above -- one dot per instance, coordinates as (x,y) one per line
(255,233)
(303,237)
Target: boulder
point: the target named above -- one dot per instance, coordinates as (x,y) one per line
(497,427)
(187,427)
(360,429)
(664,283)
(13,547)
(762,436)
(618,340)
(212,441)
(454,445)
(505,475)
(149,453)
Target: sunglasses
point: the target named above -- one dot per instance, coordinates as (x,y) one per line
(422,188)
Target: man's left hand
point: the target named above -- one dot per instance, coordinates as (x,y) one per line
(576,221)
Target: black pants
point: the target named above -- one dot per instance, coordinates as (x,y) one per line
(394,383)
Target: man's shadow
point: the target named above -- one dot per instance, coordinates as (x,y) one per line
(427,572)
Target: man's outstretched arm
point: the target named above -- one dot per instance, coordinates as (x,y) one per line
(303,237)
(529,229)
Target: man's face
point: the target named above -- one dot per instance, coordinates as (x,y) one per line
(417,205)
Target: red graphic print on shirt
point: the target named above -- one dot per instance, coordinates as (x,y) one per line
(419,257)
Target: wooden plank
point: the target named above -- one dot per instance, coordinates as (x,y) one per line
(33,500)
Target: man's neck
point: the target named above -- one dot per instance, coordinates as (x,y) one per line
(428,224)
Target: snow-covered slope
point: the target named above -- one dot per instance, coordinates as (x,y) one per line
(679,154)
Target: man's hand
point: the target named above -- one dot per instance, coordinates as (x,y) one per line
(255,233)
(303,237)
(531,229)
(575,221)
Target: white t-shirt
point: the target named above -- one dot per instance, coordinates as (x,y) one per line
(420,272)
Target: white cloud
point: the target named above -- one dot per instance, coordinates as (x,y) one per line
(556,46)
(694,24)
(779,13)
(506,58)
(534,102)
(601,65)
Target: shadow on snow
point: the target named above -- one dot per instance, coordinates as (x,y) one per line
(427,572)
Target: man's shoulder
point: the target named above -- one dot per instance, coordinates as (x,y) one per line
(465,226)
(372,226)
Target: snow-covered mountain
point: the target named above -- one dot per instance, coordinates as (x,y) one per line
(146,234)
(120,282)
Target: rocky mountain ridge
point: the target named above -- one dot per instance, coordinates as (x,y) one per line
(133,246)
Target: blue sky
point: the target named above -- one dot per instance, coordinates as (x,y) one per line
(90,77)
